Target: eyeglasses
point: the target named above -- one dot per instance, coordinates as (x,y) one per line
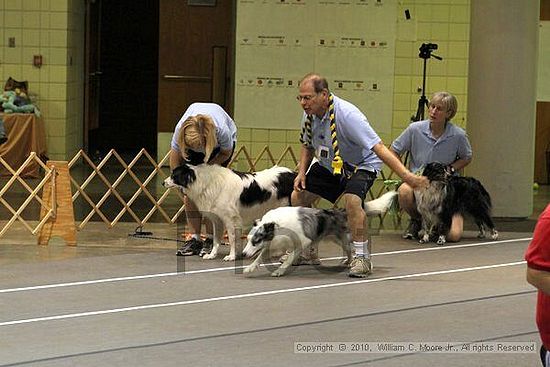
(307,97)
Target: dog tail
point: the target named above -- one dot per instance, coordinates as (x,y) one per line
(382,204)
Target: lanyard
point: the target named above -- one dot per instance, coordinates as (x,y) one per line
(337,162)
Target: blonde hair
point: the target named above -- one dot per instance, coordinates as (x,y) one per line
(448,101)
(198,131)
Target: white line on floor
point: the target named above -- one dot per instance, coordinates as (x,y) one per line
(227,268)
(445,247)
(255,294)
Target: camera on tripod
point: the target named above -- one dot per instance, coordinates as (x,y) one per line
(426,50)
(425,53)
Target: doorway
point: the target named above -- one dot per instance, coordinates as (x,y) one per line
(121,77)
(195,57)
(146,64)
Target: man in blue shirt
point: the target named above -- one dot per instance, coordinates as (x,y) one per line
(349,156)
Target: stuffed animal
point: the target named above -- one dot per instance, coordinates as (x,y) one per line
(15,98)
(16,101)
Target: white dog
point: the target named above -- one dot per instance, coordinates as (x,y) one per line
(232,199)
(297,228)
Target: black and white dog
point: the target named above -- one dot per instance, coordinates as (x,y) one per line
(448,195)
(232,199)
(297,228)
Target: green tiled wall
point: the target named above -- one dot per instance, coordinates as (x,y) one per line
(445,22)
(55,30)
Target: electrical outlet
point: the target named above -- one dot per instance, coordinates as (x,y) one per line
(11,42)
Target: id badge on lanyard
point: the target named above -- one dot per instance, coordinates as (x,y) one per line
(323,153)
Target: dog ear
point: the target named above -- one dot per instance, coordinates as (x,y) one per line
(262,233)
(421,170)
(270,227)
(435,171)
(335,212)
(268,231)
(341,214)
(184,167)
(341,211)
(183,175)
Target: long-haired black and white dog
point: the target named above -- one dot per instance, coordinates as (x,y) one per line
(232,199)
(448,195)
(298,228)
(295,229)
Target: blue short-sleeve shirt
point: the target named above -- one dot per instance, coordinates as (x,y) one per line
(355,136)
(226,130)
(424,148)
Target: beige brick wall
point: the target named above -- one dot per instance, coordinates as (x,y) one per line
(445,22)
(55,30)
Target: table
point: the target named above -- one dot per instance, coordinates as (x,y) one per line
(26,133)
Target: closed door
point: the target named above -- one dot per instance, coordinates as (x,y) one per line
(195,56)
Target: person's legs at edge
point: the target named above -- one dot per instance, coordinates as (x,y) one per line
(408,204)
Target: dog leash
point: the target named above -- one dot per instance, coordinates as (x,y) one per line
(139,233)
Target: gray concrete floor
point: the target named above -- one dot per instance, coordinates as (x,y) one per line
(117,300)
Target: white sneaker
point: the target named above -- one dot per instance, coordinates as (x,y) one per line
(360,267)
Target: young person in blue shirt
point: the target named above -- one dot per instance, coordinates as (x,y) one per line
(436,139)
(349,155)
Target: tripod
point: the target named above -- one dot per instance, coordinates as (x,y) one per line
(425,53)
